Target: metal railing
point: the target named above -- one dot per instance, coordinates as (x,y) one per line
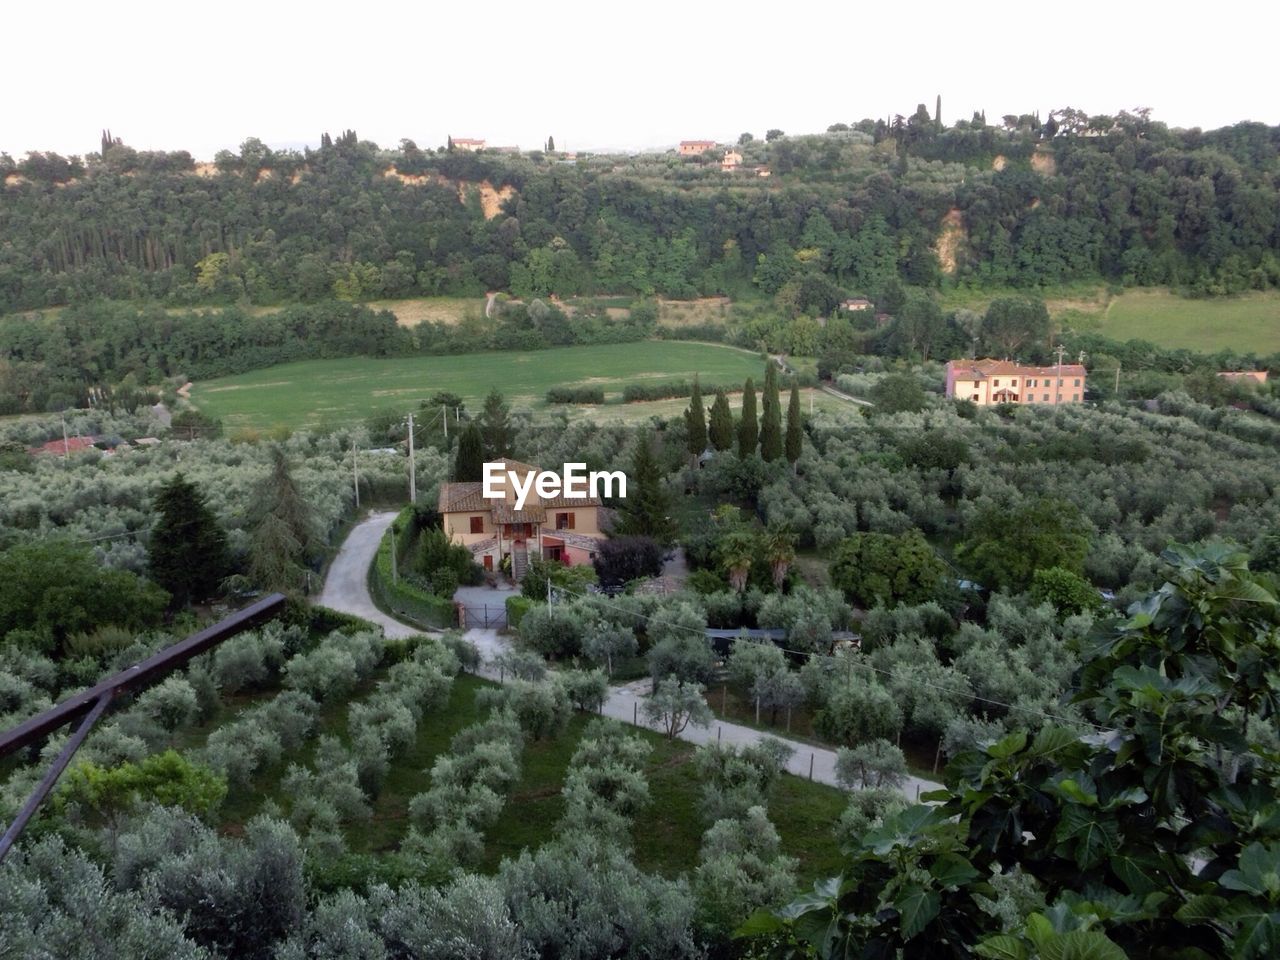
(89,705)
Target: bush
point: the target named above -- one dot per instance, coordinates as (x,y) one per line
(575,395)
(623,559)
(552,630)
(336,666)
(542,709)
(517,608)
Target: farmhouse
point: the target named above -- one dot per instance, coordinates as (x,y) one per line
(694,148)
(856,304)
(732,161)
(464,143)
(555,528)
(989,382)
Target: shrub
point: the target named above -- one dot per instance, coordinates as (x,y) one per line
(552,630)
(575,395)
(542,709)
(878,763)
(517,608)
(623,559)
(247,661)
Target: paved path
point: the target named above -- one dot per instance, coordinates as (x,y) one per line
(346,586)
(346,589)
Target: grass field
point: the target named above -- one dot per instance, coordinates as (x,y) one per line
(316,392)
(1249,322)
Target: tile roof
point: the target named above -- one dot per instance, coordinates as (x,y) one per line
(468,497)
(981,369)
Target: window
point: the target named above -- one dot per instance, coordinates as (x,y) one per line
(1031,382)
(1045,398)
(1059,381)
(1075,396)
(564,521)
(1077,381)
(995,383)
(488,562)
(477,524)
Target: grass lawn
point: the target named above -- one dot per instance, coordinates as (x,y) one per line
(667,832)
(446,310)
(318,392)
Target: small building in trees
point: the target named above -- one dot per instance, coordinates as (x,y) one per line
(990,382)
(695,148)
(465,143)
(732,161)
(856,304)
(1257,376)
(557,528)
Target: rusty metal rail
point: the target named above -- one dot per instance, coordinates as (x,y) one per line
(92,703)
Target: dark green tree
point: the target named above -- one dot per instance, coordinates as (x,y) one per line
(188,548)
(646,509)
(495,425)
(795,427)
(1012,323)
(771,421)
(885,569)
(551,144)
(1004,546)
(898,393)
(748,426)
(695,421)
(721,430)
(468,464)
(283,538)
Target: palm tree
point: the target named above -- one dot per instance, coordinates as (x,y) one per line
(737,550)
(780,551)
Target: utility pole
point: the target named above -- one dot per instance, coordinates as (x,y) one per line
(355,472)
(1057,396)
(64,438)
(444,414)
(413,476)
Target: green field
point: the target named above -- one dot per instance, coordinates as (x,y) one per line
(1249,322)
(319,392)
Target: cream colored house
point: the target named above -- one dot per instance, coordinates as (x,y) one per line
(732,161)
(559,528)
(694,148)
(465,143)
(990,382)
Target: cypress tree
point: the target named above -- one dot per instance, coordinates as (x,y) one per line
(188,549)
(695,419)
(551,144)
(748,428)
(495,424)
(468,466)
(771,421)
(646,509)
(795,430)
(721,431)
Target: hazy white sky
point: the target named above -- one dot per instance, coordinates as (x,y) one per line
(201,77)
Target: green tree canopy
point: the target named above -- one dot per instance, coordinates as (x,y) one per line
(748,425)
(188,548)
(887,569)
(1005,546)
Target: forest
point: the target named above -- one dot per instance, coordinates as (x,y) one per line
(1123,199)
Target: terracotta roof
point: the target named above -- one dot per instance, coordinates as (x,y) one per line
(697,143)
(981,369)
(461,498)
(504,512)
(563,502)
(59,447)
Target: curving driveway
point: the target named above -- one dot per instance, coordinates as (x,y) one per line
(346,586)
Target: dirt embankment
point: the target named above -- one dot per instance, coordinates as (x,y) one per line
(491,197)
(950,238)
(1044,162)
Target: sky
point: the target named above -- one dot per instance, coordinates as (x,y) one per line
(620,75)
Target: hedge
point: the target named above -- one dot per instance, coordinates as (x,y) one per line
(639,392)
(517,607)
(397,596)
(575,395)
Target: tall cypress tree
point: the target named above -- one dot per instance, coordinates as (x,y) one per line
(468,466)
(695,419)
(748,428)
(188,549)
(495,425)
(771,421)
(795,428)
(646,509)
(721,430)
